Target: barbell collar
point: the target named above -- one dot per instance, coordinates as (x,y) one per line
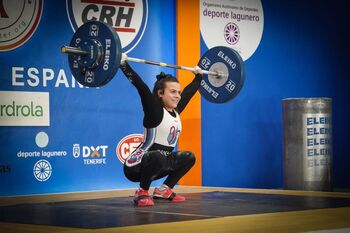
(73,50)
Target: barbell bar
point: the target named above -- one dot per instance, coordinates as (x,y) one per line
(77,51)
(94,57)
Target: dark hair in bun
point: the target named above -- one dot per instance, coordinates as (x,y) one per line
(162,75)
(162,78)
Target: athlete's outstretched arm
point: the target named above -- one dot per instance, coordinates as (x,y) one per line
(188,92)
(151,106)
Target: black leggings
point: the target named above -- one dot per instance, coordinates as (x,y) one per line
(156,164)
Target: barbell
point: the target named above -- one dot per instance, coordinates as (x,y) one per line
(94,56)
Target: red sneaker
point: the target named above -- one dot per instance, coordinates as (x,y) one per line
(142,198)
(167,194)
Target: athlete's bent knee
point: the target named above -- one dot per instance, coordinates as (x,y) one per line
(190,158)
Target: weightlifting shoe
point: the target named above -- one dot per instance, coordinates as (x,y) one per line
(167,194)
(142,198)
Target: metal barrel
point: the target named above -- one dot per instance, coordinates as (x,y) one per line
(307,132)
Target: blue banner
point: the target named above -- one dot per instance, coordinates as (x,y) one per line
(56,135)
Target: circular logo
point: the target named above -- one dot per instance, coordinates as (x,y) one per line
(42,139)
(42,170)
(231,33)
(235,24)
(128,18)
(18,22)
(127,145)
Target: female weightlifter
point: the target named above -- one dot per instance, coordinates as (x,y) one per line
(154,158)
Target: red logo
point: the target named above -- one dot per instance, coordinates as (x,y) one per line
(127,145)
(18,22)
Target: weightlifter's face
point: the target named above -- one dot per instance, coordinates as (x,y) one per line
(171,95)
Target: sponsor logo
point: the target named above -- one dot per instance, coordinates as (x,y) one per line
(24,108)
(18,22)
(317,146)
(128,18)
(5,168)
(45,77)
(236,24)
(127,145)
(41,140)
(92,155)
(231,33)
(42,170)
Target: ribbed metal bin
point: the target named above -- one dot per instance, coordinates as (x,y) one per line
(307,126)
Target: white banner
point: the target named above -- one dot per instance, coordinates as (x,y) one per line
(236,24)
(24,108)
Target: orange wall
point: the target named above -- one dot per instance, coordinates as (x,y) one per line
(188,54)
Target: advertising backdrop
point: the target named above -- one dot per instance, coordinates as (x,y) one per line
(56,135)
